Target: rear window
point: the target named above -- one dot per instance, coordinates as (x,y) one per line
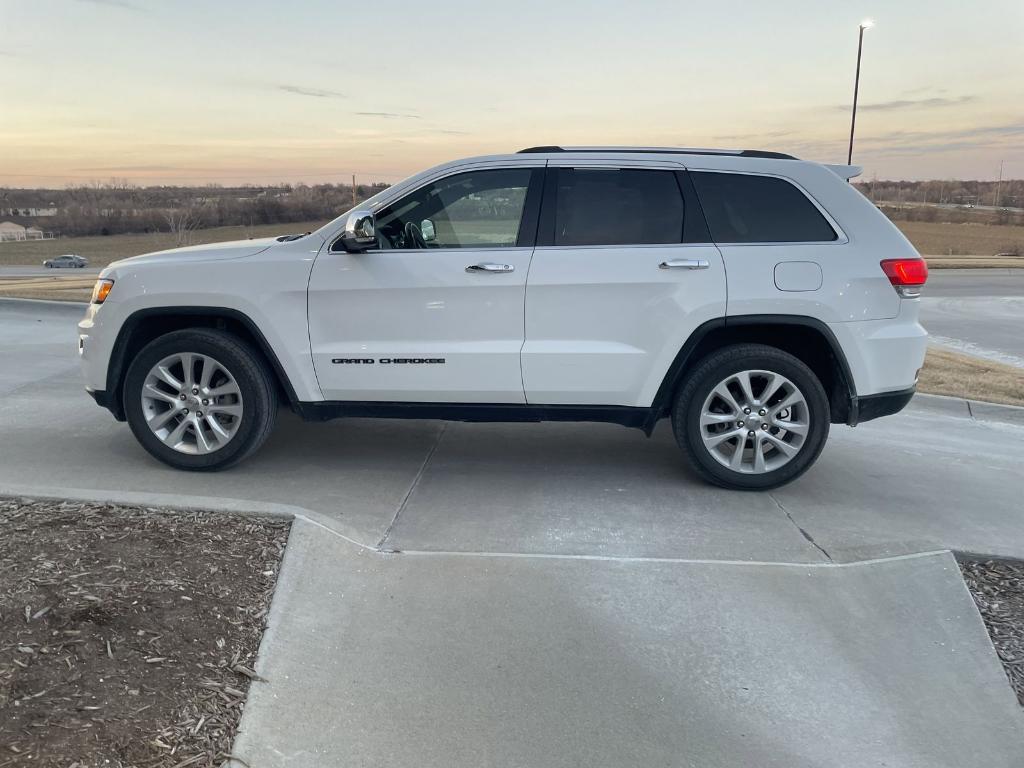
(618,207)
(741,208)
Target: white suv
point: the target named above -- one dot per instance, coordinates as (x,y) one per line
(752,297)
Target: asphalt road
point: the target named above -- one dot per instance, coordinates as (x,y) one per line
(978,311)
(567,594)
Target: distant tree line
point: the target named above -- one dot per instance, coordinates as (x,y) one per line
(117,207)
(955,201)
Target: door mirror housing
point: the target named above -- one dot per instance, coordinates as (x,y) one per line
(360,232)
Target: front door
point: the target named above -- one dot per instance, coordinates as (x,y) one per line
(435,314)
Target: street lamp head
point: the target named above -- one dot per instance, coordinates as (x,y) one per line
(867,24)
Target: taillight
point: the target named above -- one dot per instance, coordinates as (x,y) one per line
(906,275)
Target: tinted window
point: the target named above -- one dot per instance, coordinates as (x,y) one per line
(617,207)
(479,209)
(741,208)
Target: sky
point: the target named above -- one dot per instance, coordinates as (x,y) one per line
(191,92)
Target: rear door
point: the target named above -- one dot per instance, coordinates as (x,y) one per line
(623,273)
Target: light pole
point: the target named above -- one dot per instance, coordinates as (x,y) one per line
(866,24)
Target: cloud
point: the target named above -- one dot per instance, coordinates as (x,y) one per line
(389,115)
(115,4)
(319,93)
(898,104)
(131,168)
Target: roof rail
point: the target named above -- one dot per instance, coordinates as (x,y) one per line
(663,151)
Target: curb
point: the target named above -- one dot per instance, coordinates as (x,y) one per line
(977,410)
(182,503)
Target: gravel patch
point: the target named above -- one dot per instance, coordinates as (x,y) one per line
(998,590)
(128,635)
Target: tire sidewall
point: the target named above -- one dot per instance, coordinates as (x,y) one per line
(687,412)
(236,360)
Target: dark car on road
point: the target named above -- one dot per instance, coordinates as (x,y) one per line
(67,261)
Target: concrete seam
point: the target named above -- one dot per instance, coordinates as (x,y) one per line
(670,560)
(803,533)
(412,488)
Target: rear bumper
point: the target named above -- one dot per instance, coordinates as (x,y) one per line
(885,404)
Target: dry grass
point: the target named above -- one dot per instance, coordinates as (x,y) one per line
(52,288)
(948,239)
(974,262)
(957,375)
(100,251)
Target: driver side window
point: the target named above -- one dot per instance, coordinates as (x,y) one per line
(477,209)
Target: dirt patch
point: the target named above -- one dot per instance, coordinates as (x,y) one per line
(998,590)
(973,378)
(128,635)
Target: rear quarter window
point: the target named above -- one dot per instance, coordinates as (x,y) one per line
(746,208)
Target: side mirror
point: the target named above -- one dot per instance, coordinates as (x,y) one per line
(360,231)
(427,228)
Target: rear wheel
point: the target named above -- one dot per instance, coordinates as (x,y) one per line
(199,399)
(751,417)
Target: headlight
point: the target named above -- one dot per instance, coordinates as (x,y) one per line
(101,290)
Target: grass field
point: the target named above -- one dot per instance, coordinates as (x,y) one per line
(100,251)
(942,238)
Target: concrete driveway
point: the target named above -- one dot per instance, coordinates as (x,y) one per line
(978,311)
(564,595)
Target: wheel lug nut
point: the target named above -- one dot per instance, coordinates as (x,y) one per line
(185,411)
(199,414)
(205,401)
(764,426)
(746,410)
(181,396)
(750,433)
(762,412)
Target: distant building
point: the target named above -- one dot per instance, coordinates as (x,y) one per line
(11,231)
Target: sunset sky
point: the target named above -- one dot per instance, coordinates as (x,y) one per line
(258,91)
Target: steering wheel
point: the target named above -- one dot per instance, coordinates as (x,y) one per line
(414,236)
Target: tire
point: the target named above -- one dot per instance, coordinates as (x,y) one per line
(246,413)
(769,457)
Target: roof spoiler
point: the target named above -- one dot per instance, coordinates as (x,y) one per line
(845,171)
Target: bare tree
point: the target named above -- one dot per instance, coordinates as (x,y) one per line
(183,222)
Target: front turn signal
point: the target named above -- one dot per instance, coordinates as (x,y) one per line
(101,290)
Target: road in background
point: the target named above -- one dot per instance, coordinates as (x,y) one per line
(977,311)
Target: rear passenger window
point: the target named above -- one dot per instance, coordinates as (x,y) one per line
(617,207)
(741,208)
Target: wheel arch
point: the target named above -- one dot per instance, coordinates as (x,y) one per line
(145,325)
(806,338)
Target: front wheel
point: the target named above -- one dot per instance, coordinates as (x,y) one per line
(751,417)
(199,399)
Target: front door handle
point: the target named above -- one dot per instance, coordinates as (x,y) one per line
(685,264)
(490,267)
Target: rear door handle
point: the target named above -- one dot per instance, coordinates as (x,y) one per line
(685,264)
(490,267)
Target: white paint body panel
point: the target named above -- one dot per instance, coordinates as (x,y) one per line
(603,324)
(419,304)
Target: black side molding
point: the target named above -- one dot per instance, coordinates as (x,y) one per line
(871,407)
(473,412)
